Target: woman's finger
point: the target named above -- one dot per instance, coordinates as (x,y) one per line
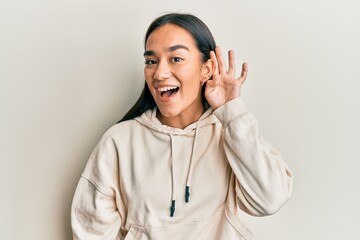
(232,67)
(221,64)
(244,72)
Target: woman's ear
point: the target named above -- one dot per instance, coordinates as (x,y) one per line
(207,70)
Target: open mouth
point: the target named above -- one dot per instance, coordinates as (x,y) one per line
(168,91)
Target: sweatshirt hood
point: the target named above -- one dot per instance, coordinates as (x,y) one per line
(149,119)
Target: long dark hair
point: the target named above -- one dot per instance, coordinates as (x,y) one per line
(204,41)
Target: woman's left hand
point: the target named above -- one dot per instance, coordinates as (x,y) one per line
(224,86)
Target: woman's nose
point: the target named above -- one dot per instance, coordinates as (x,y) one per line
(162,71)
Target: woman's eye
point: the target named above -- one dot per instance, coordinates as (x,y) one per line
(150,62)
(176,59)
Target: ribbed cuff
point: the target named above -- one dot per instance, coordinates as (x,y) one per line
(230,111)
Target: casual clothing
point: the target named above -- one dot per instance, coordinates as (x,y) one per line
(141,167)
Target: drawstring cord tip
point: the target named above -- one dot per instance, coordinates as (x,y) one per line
(187,193)
(172,209)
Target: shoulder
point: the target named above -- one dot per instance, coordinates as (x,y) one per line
(115,138)
(122,129)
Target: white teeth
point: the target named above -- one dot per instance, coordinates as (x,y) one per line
(163,89)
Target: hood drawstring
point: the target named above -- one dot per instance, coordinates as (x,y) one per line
(172,208)
(187,188)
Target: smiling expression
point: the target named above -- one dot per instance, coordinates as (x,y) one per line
(173,72)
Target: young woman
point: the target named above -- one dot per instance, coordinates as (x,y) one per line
(187,157)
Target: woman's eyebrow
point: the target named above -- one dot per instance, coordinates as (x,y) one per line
(176,47)
(149,53)
(170,49)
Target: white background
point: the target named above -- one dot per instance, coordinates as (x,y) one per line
(71,69)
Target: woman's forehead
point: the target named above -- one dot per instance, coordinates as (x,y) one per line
(168,36)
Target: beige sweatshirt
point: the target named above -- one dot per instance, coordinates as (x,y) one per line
(145,180)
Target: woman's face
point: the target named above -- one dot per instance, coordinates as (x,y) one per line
(173,72)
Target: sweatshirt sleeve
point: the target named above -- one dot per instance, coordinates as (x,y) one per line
(263,182)
(95,211)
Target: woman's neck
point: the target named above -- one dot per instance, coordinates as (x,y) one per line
(182,120)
